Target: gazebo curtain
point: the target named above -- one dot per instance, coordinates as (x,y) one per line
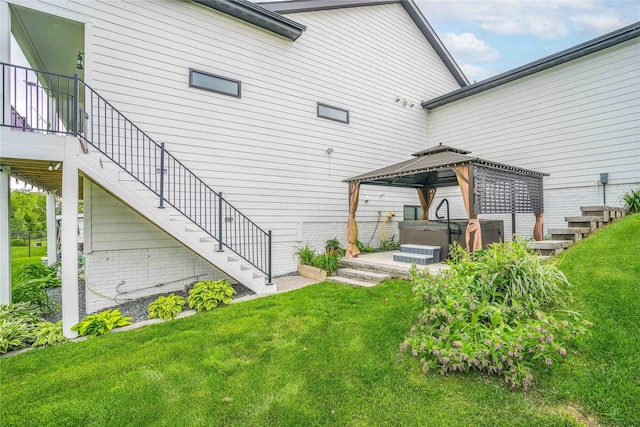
(537,229)
(473,234)
(352,227)
(426,196)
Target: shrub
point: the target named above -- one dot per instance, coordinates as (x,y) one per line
(389,245)
(632,200)
(48,274)
(23,311)
(48,333)
(328,262)
(102,323)
(364,248)
(166,308)
(15,334)
(333,246)
(18,242)
(33,291)
(207,294)
(305,254)
(487,313)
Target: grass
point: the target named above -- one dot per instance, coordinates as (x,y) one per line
(20,256)
(327,355)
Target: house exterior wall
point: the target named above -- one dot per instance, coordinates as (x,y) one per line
(573,121)
(267,151)
(131,258)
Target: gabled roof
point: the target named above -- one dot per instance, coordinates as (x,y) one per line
(257,15)
(589,47)
(296,6)
(431,167)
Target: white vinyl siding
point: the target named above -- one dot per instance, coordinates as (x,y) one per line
(573,121)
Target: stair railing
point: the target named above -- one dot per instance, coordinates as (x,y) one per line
(44,102)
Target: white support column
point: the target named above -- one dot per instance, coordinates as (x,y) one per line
(5,236)
(5,56)
(69,238)
(52,231)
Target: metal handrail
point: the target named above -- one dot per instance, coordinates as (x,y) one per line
(86,114)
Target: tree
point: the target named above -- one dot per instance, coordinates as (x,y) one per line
(28,211)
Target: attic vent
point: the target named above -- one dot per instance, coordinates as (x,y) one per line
(213,83)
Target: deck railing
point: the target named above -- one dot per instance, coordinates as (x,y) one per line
(39,101)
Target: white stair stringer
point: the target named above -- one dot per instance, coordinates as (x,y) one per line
(123,186)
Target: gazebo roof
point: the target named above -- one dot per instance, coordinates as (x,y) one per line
(432,168)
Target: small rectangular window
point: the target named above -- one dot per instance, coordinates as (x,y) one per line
(206,81)
(412,213)
(333,113)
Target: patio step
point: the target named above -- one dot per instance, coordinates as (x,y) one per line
(395,272)
(434,251)
(362,275)
(592,222)
(410,258)
(570,233)
(549,247)
(348,281)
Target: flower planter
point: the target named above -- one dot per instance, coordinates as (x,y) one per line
(311,272)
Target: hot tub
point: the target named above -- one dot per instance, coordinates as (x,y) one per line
(435,233)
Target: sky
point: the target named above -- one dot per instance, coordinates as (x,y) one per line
(488,37)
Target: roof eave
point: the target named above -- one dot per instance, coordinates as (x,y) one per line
(587,48)
(258,16)
(296,6)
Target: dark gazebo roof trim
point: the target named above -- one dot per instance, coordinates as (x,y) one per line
(432,160)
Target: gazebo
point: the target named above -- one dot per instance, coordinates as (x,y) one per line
(487,188)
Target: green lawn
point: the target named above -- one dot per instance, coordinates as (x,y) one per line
(20,256)
(328,355)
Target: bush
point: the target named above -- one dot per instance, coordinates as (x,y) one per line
(18,242)
(632,201)
(48,274)
(389,245)
(48,333)
(33,291)
(207,294)
(487,313)
(94,325)
(166,308)
(15,334)
(334,247)
(305,254)
(329,262)
(23,311)
(364,248)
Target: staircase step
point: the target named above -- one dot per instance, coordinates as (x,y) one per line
(363,275)
(411,258)
(348,281)
(549,247)
(584,218)
(604,211)
(398,271)
(573,233)
(423,250)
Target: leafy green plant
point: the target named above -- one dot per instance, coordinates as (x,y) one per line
(329,262)
(364,248)
(48,333)
(207,294)
(15,334)
(24,311)
(494,311)
(333,246)
(166,308)
(632,200)
(389,245)
(102,323)
(48,274)
(305,254)
(33,291)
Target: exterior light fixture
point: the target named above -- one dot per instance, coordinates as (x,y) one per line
(57,166)
(79,65)
(50,168)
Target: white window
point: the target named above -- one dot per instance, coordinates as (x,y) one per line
(206,81)
(333,113)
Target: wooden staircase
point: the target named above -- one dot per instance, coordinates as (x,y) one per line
(578,227)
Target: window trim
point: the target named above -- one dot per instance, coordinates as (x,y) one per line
(321,104)
(192,70)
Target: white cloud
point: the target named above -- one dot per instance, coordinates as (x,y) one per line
(549,27)
(468,47)
(599,23)
(475,73)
